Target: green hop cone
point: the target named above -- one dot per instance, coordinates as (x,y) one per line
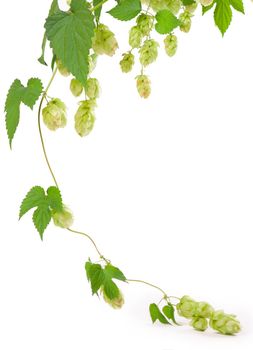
(186,21)
(104,41)
(186,307)
(135,37)
(62,69)
(199,323)
(127,62)
(157,5)
(85,118)
(92,62)
(148,52)
(224,323)
(63,219)
(203,309)
(170,43)
(54,114)
(76,87)
(92,88)
(145,24)
(115,303)
(143,85)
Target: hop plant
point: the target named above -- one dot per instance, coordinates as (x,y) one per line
(116,303)
(92,88)
(186,21)
(127,62)
(104,41)
(148,52)
(143,85)
(85,118)
(145,24)
(62,69)
(204,310)
(54,114)
(170,43)
(76,87)
(135,37)
(63,219)
(224,323)
(157,5)
(199,323)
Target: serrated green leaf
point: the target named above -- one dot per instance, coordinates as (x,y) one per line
(97,277)
(223,15)
(166,22)
(169,312)
(237,5)
(16,95)
(126,10)
(156,314)
(35,197)
(70,35)
(53,9)
(54,198)
(32,92)
(205,9)
(88,265)
(113,272)
(111,289)
(41,218)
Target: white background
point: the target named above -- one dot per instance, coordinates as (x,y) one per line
(165,186)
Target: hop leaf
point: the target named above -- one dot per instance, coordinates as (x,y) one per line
(156,314)
(126,10)
(70,35)
(223,15)
(166,22)
(169,312)
(16,95)
(44,204)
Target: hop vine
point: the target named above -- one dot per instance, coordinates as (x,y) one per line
(77,38)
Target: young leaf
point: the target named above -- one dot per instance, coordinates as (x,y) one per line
(16,95)
(166,22)
(54,198)
(169,312)
(223,15)
(98,10)
(35,197)
(96,276)
(237,5)
(41,218)
(156,314)
(111,289)
(70,35)
(113,272)
(205,9)
(53,9)
(126,10)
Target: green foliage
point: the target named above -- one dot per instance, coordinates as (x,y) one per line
(102,278)
(19,94)
(126,10)
(156,314)
(237,5)
(98,10)
(53,9)
(44,204)
(70,34)
(169,312)
(166,22)
(188,2)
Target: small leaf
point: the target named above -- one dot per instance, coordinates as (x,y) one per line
(126,10)
(111,290)
(70,34)
(166,22)
(54,198)
(114,272)
(32,92)
(223,15)
(35,197)
(98,10)
(188,2)
(169,312)
(156,314)
(237,5)
(96,276)
(205,9)
(41,218)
